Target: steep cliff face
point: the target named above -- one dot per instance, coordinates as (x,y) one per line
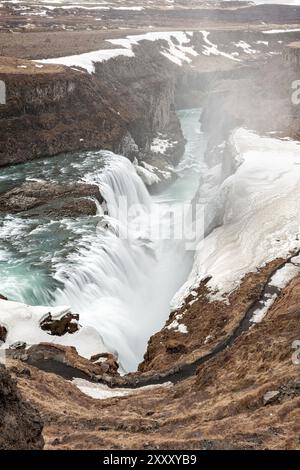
(55,111)
(145,113)
(259,99)
(20,424)
(51,109)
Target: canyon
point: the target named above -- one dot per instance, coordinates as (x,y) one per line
(141,342)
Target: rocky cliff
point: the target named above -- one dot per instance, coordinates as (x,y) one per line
(51,109)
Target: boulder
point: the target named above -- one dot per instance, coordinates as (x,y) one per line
(59,327)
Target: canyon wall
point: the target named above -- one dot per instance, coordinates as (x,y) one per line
(52,110)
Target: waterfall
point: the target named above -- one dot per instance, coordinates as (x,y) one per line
(123,278)
(119,269)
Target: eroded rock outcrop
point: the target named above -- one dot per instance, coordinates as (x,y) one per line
(221,407)
(66,362)
(53,199)
(20,424)
(59,327)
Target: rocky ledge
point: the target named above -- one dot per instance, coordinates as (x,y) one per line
(65,361)
(51,199)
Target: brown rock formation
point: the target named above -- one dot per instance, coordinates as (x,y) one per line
(51,199)
(108,361)
(54,109)
(65,361)
(208,323)
(67,324)
(20,424)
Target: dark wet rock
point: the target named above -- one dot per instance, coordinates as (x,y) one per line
(3,334)
(18,345)
(71,208)
(174,346)
(20,424)
(68,323)
(3,298)
(128,147)
(44,198)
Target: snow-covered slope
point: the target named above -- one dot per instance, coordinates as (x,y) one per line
(22,323)
(261,218)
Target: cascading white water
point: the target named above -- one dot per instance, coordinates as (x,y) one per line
(118,271)
(122,282)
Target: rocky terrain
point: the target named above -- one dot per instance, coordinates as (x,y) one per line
(214,377)
(246,397)
(21,425)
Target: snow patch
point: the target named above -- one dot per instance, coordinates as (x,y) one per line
(284,276)
(178,327)
(87,60)
(102,392)
(160,145)
(246,47)
(278,31)
(212,49)
(260,313)
(23,324)
(176,53)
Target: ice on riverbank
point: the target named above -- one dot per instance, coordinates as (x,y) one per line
(261,214)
